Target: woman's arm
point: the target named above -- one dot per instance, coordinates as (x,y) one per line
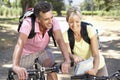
(95,54)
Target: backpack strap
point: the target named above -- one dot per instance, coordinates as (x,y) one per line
(84,32)
(20,23)
(32,32)
(50,33)
(71,39)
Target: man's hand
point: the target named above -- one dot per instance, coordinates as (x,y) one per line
(65,67)
(21,72)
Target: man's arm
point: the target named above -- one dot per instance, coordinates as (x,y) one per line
(21,72)
(18,49)
(59,39)
(95,54)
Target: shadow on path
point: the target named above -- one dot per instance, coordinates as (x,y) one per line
(111,45)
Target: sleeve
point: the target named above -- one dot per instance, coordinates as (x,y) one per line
(56,25)
(91,31)
(65,37)
(26,26)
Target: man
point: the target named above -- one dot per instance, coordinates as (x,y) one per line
(26,50)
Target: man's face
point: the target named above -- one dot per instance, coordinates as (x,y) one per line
(46,19)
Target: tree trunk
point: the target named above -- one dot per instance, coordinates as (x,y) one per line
(25,4)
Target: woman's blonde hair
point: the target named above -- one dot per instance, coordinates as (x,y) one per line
(74,10)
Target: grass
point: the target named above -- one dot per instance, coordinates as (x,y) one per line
(9,20)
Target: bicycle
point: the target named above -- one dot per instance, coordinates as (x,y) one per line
(37,73)
(114,76)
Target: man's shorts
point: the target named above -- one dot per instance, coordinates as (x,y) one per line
(45,58)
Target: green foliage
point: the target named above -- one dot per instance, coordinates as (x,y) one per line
(89,13)
(110,13)
(54,13)
(10,12)
(63,13)
(58,6)
(104,5)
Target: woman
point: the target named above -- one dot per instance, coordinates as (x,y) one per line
(83,50)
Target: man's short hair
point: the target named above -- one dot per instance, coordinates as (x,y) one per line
(42,6)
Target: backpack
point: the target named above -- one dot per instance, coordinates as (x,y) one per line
(83,33)
(30,13)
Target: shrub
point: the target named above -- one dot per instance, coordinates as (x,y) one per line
(10,12)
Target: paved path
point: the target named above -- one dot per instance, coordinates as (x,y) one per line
(112,63)
(110,41)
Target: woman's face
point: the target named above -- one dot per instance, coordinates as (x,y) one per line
(74,22)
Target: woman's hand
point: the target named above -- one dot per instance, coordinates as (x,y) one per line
(21,72)
(77,58)
(92,71)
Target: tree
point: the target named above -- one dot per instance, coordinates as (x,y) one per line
(25,4)
(98,4)
(70,2)
(58,6)
(5,2)
(87,5)
(106,5)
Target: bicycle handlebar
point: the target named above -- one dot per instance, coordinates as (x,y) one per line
(92,77)
(37,70)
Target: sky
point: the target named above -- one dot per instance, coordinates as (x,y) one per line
(75,2)
(12,0)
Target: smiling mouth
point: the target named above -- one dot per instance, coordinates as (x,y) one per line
(50,26)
